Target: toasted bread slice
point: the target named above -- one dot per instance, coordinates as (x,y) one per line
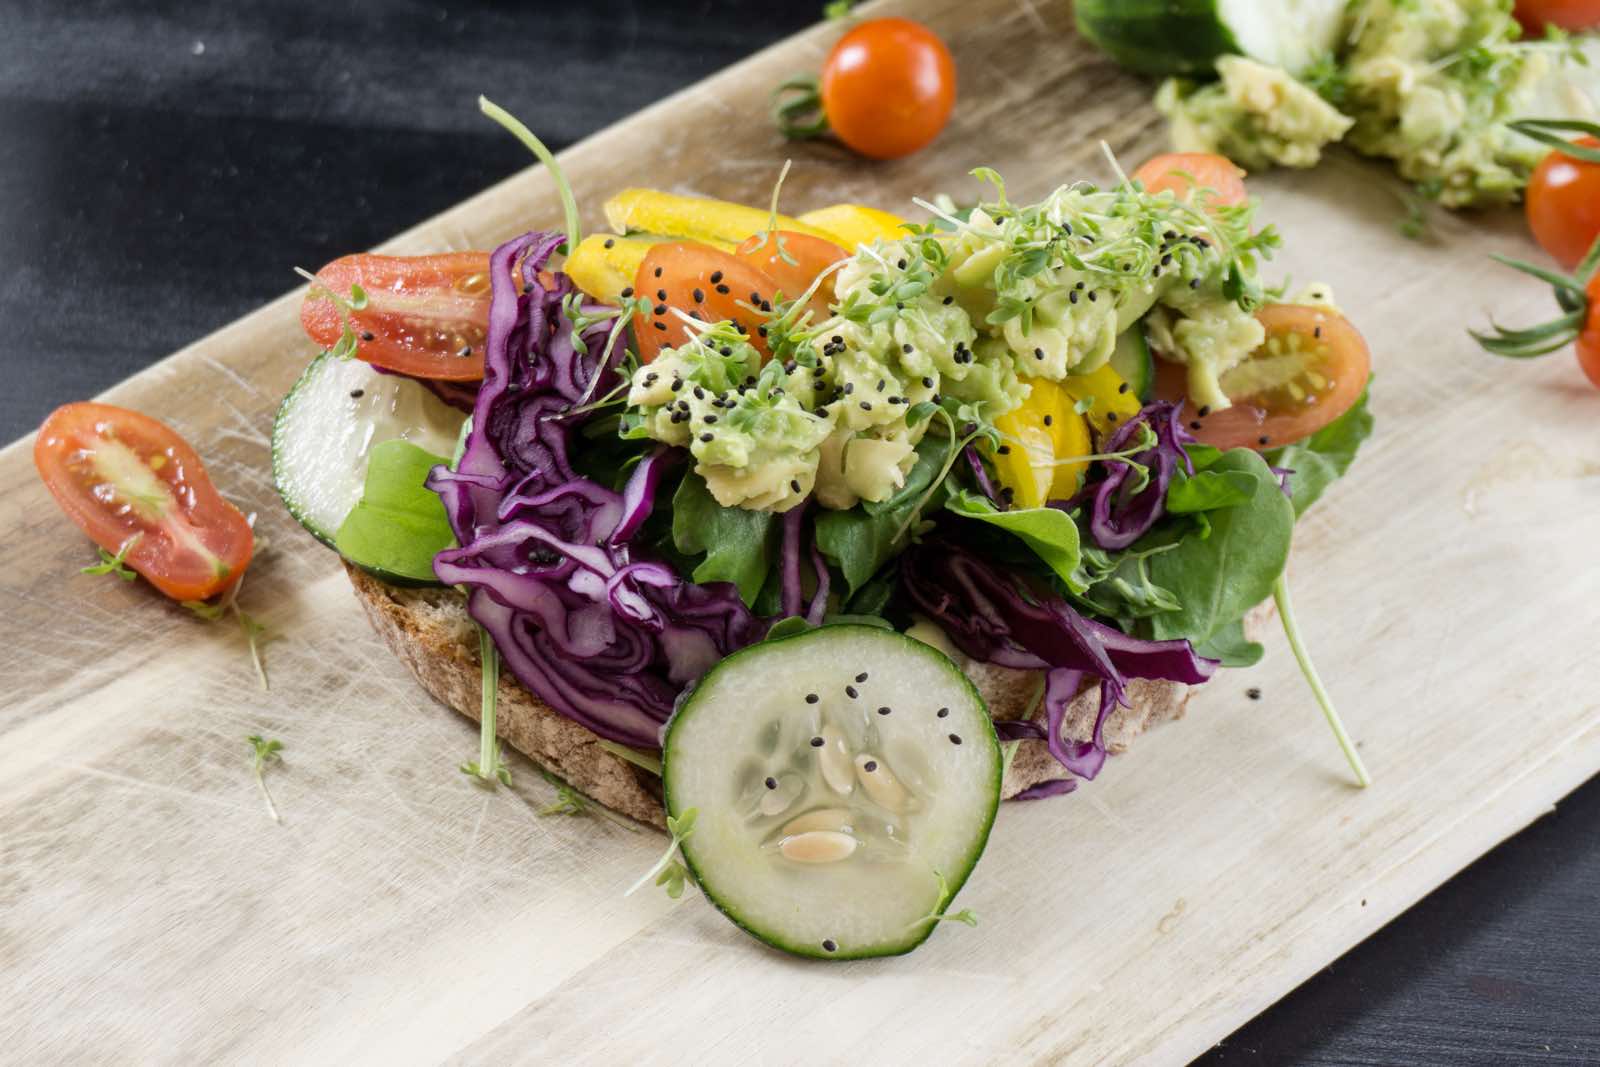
(428,628)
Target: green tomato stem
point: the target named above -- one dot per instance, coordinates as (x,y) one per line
(1291,630)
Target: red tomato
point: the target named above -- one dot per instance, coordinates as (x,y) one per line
(1535,15)
(704,283)
(426,316)
(1588,346)
(1330,378)
(1563,204)
(1221,181)
(121,475)
(888,87)
(793,261)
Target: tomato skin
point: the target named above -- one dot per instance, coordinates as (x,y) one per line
(673,273)
(1535,15)
(888,87)
(1345,365)
(1563,204)
(811,256)
(192,544)
(1588,345)
(421,312)
(1181,172)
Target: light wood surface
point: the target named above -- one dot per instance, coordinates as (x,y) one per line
(150,911)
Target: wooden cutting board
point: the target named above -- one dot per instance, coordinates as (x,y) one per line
(150,910)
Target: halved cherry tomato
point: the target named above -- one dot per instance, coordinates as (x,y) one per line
(704,283)
(1184,172)
(1311,368)
(426,316)
(1535,15)
(888,87)
(1563,204)
(131,483)
(793,261)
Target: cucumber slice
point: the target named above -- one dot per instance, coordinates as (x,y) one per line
(846,779)
(1185,37)
(1132,361)
(326,429)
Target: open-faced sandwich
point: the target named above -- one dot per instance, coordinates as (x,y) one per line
(812,537)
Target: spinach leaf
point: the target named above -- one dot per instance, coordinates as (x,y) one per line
(1231,646)
(399,524)
(1050,532)
(1216,579)
(1118,584)
(1321,459)
(739,544)
(1209,490)
(862,539)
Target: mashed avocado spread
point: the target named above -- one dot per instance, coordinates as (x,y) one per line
(956,318)
(1427,83)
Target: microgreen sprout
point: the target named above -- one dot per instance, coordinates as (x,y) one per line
(110,564)
(569,205)
(1291,630)
(668,871)
(489,765)
(254,631)
(966,916)
(568,800)
(344,305)
(772,220)
(265,751)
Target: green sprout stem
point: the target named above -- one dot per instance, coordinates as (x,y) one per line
(489,765)
(515,127)
(1291,630)
(265,751)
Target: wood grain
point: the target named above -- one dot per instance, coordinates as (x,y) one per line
(149,910)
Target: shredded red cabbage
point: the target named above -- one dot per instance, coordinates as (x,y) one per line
(607,640)
(1120,511)
(992,618)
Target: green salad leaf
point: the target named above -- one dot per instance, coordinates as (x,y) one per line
(860,540)
(1050,532)
(399,524)
(1321,459)
(738,544)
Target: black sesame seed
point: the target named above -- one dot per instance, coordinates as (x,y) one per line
(1072,297)
(699,296)
(723,289)
(866,405)
(1194,425)
(660,326)
(1253,693)
(955,739)
(1038,353)
(762,330)
(368,335)
(1123,388)
(725,350)
(1264,439)
(900,263)
(850,691)
(755,298)
(906,349)
(610,243)
(829,945)
(949,300)
(1091,296)
(1194,283)
(870,766)
(357,394)
(1111,416)
(627,291)
(1205,409)
(884,711)
(849,387)
(816,742)
(1004,450)
(661,309)
(710,419)
(861,677)
(794,485)
(943,712)
(707,438)
(927,383)
(466,350)
(1049,419)
(658,272)
(1317,333)
(677,383)
(699,393)
(812,698)
(772,783)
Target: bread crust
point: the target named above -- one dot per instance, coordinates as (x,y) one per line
(429,631)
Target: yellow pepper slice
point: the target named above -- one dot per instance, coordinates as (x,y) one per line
(604,264)
(853,225)
(1111,404)
(1039,433)
(695,218)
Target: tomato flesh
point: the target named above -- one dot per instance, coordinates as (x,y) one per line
(1312,367)
(701,282)
(1217,179)
(1563,204)
(125,477)
(426,316)
(1536,15)
(888,87)
(793,261)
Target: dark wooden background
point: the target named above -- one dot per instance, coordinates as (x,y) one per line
(163,166)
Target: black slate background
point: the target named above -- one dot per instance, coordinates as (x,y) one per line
(163,165)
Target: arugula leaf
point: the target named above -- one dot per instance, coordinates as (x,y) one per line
(862,539)
(1321,459)
(1216,579)
(399,524)
(1050,532)
(739,544)
(1209,490)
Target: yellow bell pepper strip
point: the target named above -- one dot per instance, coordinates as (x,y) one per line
(694,218)
(604,264)
(1111,404)
(853,225)
(1042,431)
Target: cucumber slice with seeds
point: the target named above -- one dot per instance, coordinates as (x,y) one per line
(326,429)
(846,780)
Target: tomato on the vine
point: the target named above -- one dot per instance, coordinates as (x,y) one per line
(1563,203)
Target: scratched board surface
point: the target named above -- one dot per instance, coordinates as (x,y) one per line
(150,910)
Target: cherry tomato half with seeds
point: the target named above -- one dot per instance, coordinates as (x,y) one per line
(1563,204)
(134,486)
(1182,173)
(426,316)
(701,282)
(888,87)
(793,261)
(1311,368)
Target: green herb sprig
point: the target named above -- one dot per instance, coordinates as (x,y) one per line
(263,752)
(668,871)
(110,564)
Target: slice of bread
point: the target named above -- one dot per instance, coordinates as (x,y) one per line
(429,630)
